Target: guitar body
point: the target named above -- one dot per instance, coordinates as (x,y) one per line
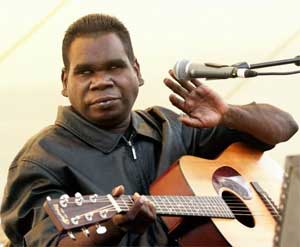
(222,202)
(228,175)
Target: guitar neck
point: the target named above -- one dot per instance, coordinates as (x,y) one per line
(69,213)
(206,206)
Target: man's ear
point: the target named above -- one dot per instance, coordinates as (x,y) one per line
(64,80)
(137,69)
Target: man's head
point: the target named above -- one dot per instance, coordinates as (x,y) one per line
(93,25)
(101,75)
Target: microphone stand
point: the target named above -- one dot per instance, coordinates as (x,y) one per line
(249,67)
(245,65)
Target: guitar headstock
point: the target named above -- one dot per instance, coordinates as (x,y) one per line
(68,213)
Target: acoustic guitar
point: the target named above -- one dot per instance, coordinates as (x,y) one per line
(221,202)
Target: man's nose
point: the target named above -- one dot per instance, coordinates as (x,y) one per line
(101,81)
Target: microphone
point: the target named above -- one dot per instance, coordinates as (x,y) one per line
(186,70)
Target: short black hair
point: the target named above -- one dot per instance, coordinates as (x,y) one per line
(94,25)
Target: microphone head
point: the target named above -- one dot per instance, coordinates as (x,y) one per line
(181,69)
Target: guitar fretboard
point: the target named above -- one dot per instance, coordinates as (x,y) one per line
(207,206)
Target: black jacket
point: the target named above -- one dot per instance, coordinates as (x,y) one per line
(74,155)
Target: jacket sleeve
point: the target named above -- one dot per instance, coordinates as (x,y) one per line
(210,142)
(23,218)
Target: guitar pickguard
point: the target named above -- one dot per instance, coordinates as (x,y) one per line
(229,180)
(227,177)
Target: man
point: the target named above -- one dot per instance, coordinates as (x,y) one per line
(98,143)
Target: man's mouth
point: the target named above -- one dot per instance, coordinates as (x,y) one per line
(105,101)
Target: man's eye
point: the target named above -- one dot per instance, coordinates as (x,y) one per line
(116,66)
(86,72)
(113,67)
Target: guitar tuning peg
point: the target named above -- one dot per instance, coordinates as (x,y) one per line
(100,229)
(64,197)
(63,200)
(103,213)
(71,235)
(85,231)
(78,199)
(88,216)
(93,198)
(78,194)
(75,220)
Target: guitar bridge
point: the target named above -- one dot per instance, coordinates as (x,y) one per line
(269,203)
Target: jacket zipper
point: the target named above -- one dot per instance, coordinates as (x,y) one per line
(130,144)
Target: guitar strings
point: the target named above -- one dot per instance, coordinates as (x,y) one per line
(241,210)
(112,209)
(236,213)
(236,203)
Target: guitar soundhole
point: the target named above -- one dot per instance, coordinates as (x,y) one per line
(239,209)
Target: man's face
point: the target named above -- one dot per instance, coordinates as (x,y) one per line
(101,83)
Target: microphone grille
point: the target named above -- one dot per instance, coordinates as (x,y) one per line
(180,69)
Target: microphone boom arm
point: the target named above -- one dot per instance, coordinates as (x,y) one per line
(245,65)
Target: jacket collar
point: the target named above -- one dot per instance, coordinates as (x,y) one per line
(101,139)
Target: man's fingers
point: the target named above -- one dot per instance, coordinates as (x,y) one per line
(179,103)
(152,209)
(142,207)
(138,203)
(136,196)
(172,74)
(191,122)
(196,82)
(184,83)
(117,191)
(176,88)
(139,217)
(148,211)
